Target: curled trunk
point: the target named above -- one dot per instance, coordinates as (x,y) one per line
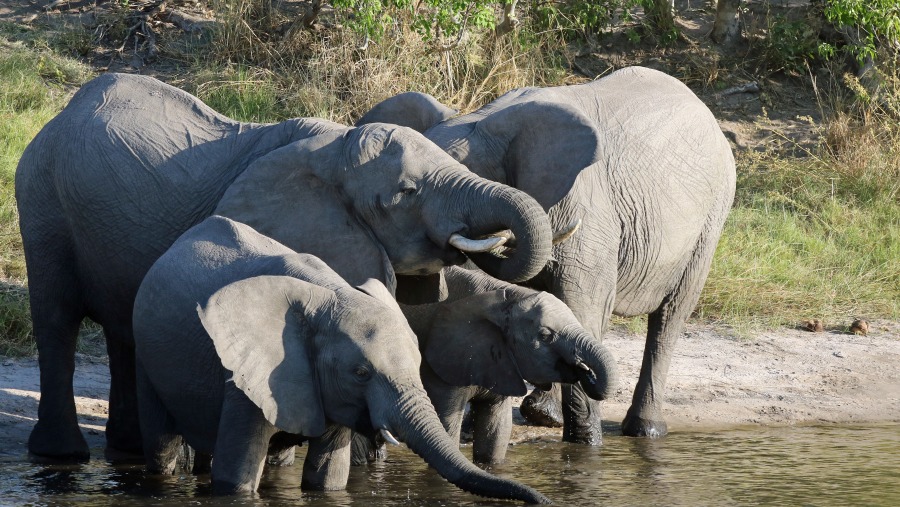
(598,375)
(499,207)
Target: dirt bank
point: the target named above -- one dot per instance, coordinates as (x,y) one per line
(716,381)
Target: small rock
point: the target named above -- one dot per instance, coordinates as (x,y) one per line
(838,353)
(814,325)
(859,327)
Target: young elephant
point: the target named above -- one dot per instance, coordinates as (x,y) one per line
(487,336)
(278,343)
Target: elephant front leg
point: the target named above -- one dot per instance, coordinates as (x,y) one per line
(582,423)
(493,427)
(241,445)
(327,464)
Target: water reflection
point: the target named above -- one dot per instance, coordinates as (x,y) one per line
(811,465)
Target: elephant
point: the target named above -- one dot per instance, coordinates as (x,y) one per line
(131,163)
(643,163)
(278,342)
(485,339)
(418,111)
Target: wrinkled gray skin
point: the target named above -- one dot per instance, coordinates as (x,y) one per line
(131,163)
(641,160)
(418,111)
(278,343)
(488,336)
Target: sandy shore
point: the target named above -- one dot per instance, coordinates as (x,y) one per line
(716,381)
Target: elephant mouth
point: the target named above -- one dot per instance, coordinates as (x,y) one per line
(589,382)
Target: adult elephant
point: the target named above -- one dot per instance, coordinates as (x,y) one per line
(279,342)
(642,162)
(131,163)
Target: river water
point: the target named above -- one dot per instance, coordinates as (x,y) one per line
(818,465)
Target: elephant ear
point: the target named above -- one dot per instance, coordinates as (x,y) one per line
(464,347)
(263,330)
(548,144)
(416,110)
(295,183)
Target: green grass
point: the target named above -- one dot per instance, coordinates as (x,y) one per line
(34,85)
(809,238)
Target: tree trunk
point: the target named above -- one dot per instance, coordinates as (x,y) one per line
(727,28)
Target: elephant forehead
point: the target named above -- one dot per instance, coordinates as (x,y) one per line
(390,143)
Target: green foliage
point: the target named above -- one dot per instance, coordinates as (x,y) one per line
(791,43)
(432,19)
(875,20)
(578,18)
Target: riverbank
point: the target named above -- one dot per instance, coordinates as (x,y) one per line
(716,381)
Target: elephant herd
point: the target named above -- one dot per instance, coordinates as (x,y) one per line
(265,285)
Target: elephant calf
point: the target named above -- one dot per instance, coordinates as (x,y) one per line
(278,343)
(487,337)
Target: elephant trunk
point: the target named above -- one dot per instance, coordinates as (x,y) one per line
(595,366)
(496,207)
(418,426)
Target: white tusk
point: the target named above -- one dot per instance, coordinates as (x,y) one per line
(386,435)
(476,245)
(566,233)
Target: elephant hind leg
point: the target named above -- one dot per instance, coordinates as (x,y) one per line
(56,312)
(123,431)
(664,326)
(162,444)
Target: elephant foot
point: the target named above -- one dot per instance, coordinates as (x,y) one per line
(543,408)
(123,441)
(283,458)
(57,443)
(634,426)
(118,456)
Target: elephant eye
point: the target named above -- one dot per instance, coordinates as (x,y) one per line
(547,336)
(362,373)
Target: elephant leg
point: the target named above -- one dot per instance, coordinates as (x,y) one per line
(543,408)
(56,313)
(365,451)
(493,427)
(582,423)
(162,444)
(282,449)
(241,444)
(449,403)
(327,464)
(664,326)
(123,432)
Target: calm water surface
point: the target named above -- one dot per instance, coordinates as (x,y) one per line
(820,466)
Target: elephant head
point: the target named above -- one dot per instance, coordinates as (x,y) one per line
(416,110)
(353,189)
(534,139)
(307,355)
(508,335)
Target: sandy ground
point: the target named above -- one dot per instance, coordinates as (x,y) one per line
(716,381)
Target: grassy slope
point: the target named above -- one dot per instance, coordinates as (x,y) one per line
(811,237)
